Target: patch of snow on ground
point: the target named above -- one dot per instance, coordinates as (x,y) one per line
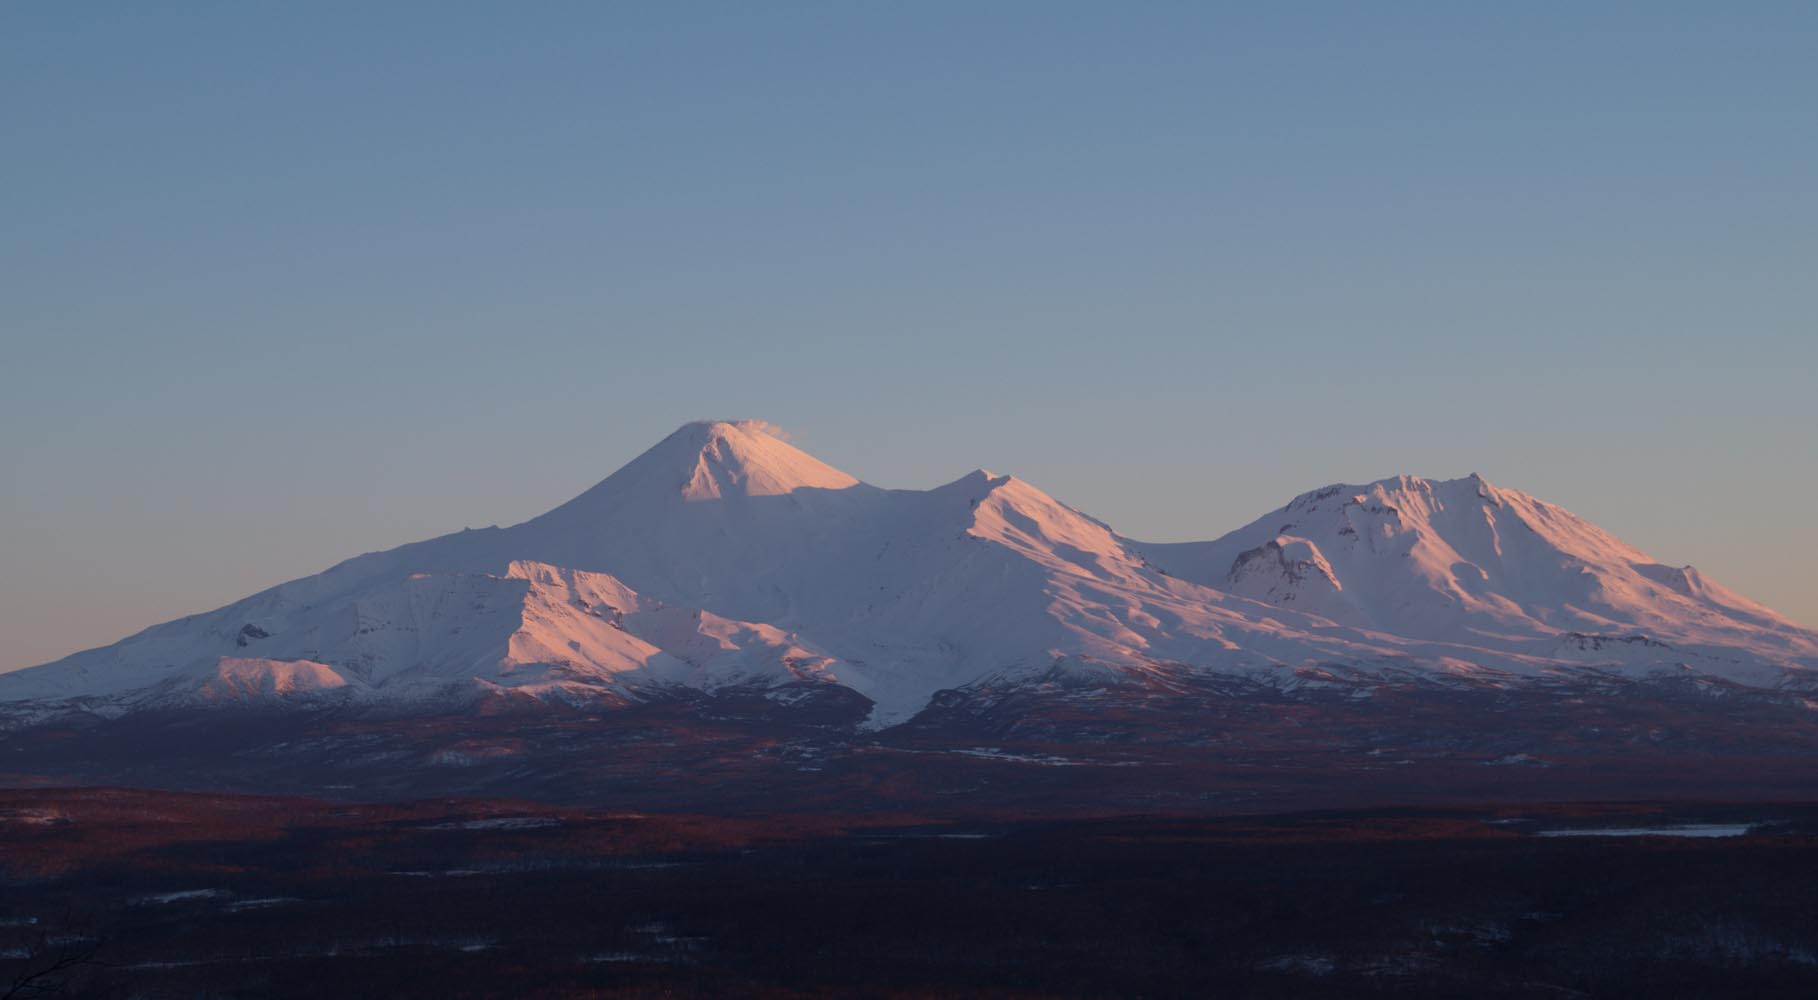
(500,823)
(1683,830)
(185,895)
(259,904)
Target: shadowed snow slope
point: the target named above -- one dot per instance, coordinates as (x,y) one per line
(726,557)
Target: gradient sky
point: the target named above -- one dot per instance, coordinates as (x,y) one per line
(284,283)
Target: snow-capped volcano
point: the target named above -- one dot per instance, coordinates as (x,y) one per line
(1468,562)
(726,557)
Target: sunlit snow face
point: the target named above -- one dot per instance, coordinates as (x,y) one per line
(725,556)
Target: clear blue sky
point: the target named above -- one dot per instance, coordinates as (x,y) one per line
(284,283)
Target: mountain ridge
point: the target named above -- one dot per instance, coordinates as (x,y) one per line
(758,565)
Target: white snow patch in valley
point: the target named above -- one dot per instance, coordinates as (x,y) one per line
(263,902)
(499,823)
(35,817)
(1517,760)
(1679,830)
(180,896)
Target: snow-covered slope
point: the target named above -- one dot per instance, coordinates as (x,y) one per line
(537,629)
(1467,562)
(724,556)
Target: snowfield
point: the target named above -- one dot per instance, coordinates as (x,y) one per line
(726,558)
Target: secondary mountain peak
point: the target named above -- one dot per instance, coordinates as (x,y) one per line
(1419,498)
(1465,561)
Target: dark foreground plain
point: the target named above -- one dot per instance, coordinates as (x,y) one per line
(161,894)
(1184,745)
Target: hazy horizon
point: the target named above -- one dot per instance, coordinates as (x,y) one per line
(280,286)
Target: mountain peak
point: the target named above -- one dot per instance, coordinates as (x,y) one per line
(1400,486)
(749,458)
(1427,484)
(1443,491)
(717,429)
(708,460)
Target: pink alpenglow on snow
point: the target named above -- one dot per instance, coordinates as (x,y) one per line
(726,557)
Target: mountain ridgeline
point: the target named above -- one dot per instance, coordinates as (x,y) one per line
(725,559)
